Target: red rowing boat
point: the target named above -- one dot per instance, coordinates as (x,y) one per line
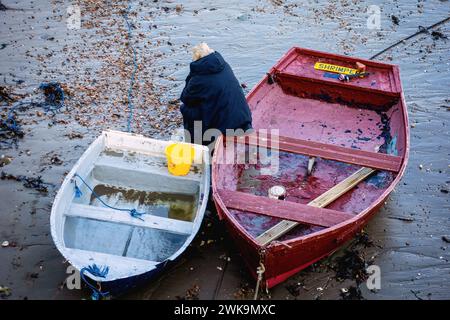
(337,146)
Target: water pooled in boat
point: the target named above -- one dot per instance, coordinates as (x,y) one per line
(169,205)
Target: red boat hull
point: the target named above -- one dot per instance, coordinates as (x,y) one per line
(299,86)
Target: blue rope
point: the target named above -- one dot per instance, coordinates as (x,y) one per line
(10,123)
(133,212)
(96,272)
(133,75)
(54,101)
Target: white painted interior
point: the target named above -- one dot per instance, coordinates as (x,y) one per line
(86,232)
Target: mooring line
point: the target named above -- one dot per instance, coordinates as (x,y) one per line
(133,75)
(421,30)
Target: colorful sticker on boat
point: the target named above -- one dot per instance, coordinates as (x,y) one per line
(334,68)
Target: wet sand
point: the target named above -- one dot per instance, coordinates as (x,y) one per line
(94,65)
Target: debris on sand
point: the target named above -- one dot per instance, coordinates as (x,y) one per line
(74,135)
(56,160)
(191,293)
(5,244)
(4,292)
(244,292)
(51,159)
(362,238)
(4,160)
(416,294)
(28,182)
(6,94)
(446,239)
(395,20)
(179,8)
(437,35)
(351,266)
(3,7)
(54,95)
(10,130)
(407,219)
(295,289)
(352,293)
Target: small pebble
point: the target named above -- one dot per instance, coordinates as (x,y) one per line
(5,244)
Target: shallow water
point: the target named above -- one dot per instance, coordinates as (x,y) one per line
(252,35)
(167,205)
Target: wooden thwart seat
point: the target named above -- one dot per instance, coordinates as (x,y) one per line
(380,161)
(321,201)
(292,211)
(116,216)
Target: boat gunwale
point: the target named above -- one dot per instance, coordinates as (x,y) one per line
(290,56)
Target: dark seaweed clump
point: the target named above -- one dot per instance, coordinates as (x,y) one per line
(294,289)
(3,7)
(191,293)
(438,35)
(28,182)
(353,293)
(351,266)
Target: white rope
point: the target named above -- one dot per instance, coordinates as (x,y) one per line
(260,270)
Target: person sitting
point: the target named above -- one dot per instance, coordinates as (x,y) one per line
(212,98)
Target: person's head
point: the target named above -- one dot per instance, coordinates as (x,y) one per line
(201,50)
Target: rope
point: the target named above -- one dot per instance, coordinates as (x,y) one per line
(133,75)
(133,212)
(54,101)
(259,271)
(96,272)
(54,96)
(421,30)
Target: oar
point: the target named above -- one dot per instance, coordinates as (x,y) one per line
(321,201)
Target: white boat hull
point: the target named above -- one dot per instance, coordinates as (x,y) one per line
(117,173)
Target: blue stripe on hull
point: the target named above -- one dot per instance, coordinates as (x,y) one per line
(119,287)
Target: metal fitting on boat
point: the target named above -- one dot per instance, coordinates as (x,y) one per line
(277,192)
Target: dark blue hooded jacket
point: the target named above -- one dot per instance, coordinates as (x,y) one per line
(214,96)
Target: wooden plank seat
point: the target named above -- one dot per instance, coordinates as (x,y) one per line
(287,210)
(321,201)
(123,217)
(157,166)
(380,161)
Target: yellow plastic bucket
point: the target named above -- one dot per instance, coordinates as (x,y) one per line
(179,158)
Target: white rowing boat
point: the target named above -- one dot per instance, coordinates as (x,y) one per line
(120,217)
